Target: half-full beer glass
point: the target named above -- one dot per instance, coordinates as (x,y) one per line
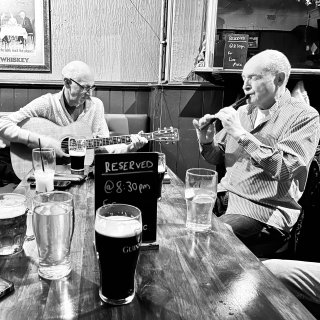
(13,223)
(53,224)
(200,195)
(118,230)
(44,166)
(77,151)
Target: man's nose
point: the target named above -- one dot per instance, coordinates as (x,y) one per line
(246,84)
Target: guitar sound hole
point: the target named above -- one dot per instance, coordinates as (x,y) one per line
(64,145)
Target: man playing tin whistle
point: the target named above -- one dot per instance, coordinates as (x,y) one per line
(266,146)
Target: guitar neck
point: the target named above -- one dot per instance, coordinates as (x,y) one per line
(126,139)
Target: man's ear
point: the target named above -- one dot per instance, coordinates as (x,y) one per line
(280,78)
(67,82)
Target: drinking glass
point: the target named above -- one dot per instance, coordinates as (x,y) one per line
(44,166)
(77,152)
(53,225)
(118,233)
(200,195)
(161,172)
(13,223)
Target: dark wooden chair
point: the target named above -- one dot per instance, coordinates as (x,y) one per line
(304,239)
(306,233)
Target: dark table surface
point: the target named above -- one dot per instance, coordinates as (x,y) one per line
(191,276)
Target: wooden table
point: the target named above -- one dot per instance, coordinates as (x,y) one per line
(191,276)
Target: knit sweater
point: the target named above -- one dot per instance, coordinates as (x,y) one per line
(51,107)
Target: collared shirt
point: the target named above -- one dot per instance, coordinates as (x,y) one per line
(266,171)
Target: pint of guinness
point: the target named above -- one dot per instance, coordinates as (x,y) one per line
(118,231)
(77,151)
(77,160)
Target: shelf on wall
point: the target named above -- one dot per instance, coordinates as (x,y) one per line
(219,74)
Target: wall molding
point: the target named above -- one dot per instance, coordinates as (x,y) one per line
(145,86)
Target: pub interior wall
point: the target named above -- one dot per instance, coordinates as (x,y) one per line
(120,39)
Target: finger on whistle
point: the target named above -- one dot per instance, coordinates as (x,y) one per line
(206,125)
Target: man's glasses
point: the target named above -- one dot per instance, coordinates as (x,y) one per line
(84,89)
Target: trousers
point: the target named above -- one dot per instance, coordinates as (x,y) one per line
(7,174)
(263,240)
(302,278)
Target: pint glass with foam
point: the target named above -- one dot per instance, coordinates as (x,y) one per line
(13,223)
(118,230)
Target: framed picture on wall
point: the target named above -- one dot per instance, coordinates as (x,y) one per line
(253,40)
(25,44)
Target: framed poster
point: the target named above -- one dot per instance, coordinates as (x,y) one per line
(254,39)
(25,44)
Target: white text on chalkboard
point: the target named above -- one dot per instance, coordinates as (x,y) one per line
(124,186)
(236,45)
(127,166)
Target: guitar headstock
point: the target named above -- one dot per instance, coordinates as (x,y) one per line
(166,135)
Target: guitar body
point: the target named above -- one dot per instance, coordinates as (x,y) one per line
(21,155)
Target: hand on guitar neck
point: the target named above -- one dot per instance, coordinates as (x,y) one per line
(137,142)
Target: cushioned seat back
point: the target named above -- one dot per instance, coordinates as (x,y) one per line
(120,124)
(117,124)
(138,122)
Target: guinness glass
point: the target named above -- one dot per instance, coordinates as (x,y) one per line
(118,230)
(77,151)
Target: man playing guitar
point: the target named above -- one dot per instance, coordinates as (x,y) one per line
(74,103)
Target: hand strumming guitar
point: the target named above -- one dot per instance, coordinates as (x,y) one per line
(46,142)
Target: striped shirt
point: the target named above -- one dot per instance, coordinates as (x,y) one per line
(267,169)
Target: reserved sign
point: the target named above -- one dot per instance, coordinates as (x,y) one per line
(235,51)
(130,178)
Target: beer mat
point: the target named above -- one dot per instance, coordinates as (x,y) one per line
(149,246)
(166,178)
(64,177)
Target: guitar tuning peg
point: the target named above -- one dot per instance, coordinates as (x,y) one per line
(165,128)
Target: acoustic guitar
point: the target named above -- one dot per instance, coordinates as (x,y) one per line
(21,155)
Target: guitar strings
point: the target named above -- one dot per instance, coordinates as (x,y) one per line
(125,138)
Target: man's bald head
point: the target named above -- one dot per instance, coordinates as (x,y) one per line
(78,70)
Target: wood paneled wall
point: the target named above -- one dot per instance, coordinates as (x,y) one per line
(177,107)
(116,99)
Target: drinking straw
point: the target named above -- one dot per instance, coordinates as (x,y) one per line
(41,155)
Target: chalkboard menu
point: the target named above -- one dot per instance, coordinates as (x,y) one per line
(235,51)
(129,178)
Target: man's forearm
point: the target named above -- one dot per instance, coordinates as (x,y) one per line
(211,153)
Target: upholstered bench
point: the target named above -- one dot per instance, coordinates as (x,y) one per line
(122,124)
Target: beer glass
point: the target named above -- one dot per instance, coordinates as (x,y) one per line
(77,152)
(161,172)
(118,231)
(200,195)
(44,166)
(53,224)
(13,223)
